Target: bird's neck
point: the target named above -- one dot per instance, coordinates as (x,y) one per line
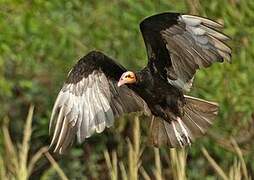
(144,78)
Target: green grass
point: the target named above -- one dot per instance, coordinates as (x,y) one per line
(14,160)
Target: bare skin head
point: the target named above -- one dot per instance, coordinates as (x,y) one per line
(128,77)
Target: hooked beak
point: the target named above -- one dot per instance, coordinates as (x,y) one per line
(121,82)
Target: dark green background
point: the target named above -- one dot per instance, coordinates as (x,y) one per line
(41,40)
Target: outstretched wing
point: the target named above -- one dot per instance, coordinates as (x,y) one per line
(90,100)
(178,45)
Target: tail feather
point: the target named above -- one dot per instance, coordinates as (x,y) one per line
(198,117)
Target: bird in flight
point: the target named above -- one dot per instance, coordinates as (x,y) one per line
(98,89)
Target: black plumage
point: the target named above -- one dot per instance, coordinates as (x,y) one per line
(98,89)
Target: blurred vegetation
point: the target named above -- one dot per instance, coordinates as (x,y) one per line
(41,40)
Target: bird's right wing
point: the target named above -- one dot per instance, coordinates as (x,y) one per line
(178,45)
(90,100)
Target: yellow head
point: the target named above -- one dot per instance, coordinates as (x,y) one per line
(127,78)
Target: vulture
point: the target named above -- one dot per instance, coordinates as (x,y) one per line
(99,90)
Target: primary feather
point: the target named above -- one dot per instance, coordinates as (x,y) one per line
(182,44)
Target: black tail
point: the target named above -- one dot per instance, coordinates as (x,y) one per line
(198,117)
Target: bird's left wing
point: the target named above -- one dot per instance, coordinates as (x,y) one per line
(178,45)
(90,100)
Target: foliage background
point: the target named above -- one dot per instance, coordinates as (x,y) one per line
(41,40)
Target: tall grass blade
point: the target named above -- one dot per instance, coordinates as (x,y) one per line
(235,171)
(14,163)
(157,171)
(10,152)
(134,151)
(123,171)
(112,166)
(56,166)
(240,156)
(178,163)
(213,163)
(36,157)
(144,173)
(23,153)
(3,174)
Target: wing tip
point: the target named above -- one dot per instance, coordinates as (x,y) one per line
(204,20)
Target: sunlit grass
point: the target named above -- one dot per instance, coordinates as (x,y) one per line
(237,171)
(177,164)
(15,164)
(14,161)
